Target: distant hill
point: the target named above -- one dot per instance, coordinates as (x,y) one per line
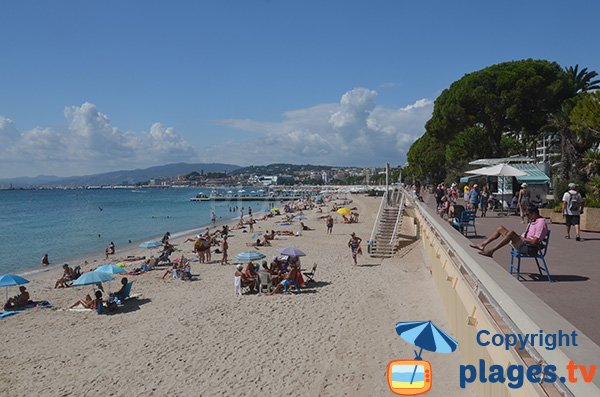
(278,169)
(120,177)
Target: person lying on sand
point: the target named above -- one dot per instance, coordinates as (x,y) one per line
(86,302)
(18,301)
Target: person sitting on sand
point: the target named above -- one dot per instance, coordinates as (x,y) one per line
(18,301)
(186,272)
(527,243)
(86,302)
(174,271)
(290,278)
(66,277)
(98,304)
(304,227)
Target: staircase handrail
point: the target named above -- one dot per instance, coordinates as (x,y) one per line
(383,200)
(398,219)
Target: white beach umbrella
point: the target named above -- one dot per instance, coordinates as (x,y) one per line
(498,170)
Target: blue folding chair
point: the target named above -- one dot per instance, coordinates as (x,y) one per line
(464,222)
(541,254)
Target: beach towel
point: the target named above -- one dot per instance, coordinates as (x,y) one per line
(6,314)
(31,305)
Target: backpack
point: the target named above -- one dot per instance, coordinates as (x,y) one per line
(574,204)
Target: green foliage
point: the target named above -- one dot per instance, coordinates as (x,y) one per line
(511,97)
(551,204)
(581,80)
(585,116)
(426,158)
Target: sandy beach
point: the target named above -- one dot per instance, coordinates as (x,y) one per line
(197,338)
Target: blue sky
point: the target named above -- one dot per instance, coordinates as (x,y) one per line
(96,86)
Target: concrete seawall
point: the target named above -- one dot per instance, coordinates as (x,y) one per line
(481,296)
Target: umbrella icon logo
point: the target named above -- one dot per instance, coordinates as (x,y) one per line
(414,377)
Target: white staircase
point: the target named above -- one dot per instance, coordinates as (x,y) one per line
(385,232)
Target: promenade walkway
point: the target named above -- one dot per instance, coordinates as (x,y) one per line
(575,267)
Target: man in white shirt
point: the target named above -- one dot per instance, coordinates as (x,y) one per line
(572,209)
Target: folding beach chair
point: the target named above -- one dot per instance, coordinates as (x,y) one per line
(309,275)
(264,281)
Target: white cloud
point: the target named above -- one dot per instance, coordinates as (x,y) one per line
(89,144)
(355,131)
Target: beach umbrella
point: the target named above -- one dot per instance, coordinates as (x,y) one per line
(299,218)
(110,269)
(94,277)
(502,170)
(9,280)
(425,335)
(290,251)
(248,256)
(343,211)
(149,244)
(256,235)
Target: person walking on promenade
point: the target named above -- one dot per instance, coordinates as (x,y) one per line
(523,198)
(572,209)
(474,198)
(527,243)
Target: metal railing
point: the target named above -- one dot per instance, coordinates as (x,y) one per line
(398,220)
(376,223)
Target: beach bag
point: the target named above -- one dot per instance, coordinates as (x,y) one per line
(574,202)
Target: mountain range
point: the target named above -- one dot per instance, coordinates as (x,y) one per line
(122,177)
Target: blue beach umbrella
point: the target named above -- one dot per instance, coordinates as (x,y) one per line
(425,335)
(110,269)
(9,280)
(247,256)
(289,251)
(149,244)
(94,277)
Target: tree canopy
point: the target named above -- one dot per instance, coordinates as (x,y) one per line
(512,97)
(505,109)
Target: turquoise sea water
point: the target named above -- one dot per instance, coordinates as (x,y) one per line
(69,224)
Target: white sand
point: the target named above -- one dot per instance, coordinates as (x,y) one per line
(198,338)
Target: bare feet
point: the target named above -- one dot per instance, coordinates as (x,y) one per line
(477,247)
(484,253)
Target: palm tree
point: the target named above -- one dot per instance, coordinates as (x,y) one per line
(560,122)
(582,80)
